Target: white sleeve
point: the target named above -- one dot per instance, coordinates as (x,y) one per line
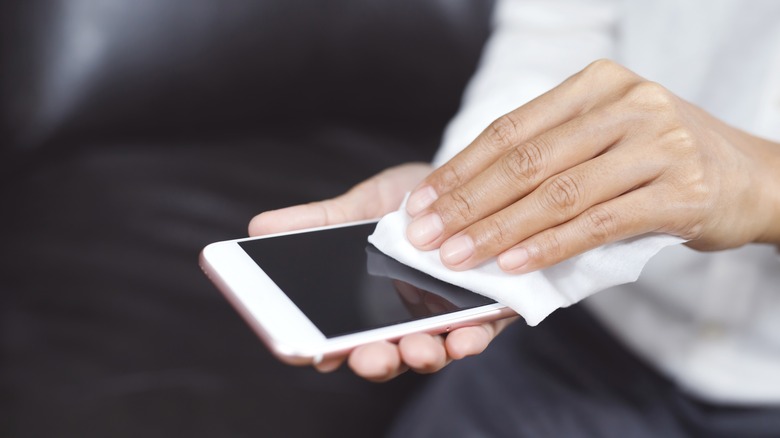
(534,46)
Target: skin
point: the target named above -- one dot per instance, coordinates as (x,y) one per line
(605,156)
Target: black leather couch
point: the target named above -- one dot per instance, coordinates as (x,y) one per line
(135,132)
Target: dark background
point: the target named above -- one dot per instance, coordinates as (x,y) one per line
(132,133)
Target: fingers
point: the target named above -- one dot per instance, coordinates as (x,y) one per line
(557,201)
(575,96)
(377,362)
(421,352)
(533,169)
(503,134)
(629,215)
(514,175)
(382,361)
(329,365)
(470,341)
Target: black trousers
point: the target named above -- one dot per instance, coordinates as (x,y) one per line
(568,377)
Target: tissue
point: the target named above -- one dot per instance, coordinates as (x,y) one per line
(534,295)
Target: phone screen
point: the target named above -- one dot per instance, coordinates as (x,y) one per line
(345,285)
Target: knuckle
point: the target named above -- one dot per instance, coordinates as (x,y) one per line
(693,231)
(524,163)
(446,177)
(604,74)
(601,223)
(503,132)
(601,65)
(682,140)
(330,211)
(550,248)
(461,206)
(562,194)
(500,233)
(688,229)
(603,68)
(650,95)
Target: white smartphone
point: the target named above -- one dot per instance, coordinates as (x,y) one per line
(321,292)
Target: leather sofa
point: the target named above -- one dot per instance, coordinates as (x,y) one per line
(135,132)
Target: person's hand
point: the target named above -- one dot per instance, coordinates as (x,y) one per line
(370,199)
(604,156)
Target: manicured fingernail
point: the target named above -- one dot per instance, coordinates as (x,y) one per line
(425,230)
(513,259)
(420,199)
(458,250)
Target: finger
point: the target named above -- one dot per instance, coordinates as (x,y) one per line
(377,362)
(329,365)
(573,97)
(470,341)
(315,214)
(558,200)
(629,215)
(423,353)
(516,174)
(370,199)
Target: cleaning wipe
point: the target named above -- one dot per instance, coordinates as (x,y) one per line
(537,294)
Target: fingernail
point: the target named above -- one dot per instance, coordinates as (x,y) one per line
(458,250)
(420,199)
(513,259)
(425,230)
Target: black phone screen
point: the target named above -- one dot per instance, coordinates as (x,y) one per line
(345,285)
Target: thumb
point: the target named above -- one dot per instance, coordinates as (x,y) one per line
(370,199)
(314,214)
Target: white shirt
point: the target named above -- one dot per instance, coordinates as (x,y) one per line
(709,321)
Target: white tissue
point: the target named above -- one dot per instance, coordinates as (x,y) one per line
(537,294)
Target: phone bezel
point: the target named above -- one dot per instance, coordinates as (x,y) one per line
(285,329)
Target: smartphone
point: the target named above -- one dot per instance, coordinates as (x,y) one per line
(319,293)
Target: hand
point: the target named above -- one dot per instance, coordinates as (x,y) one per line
(603,157)
(370,199)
